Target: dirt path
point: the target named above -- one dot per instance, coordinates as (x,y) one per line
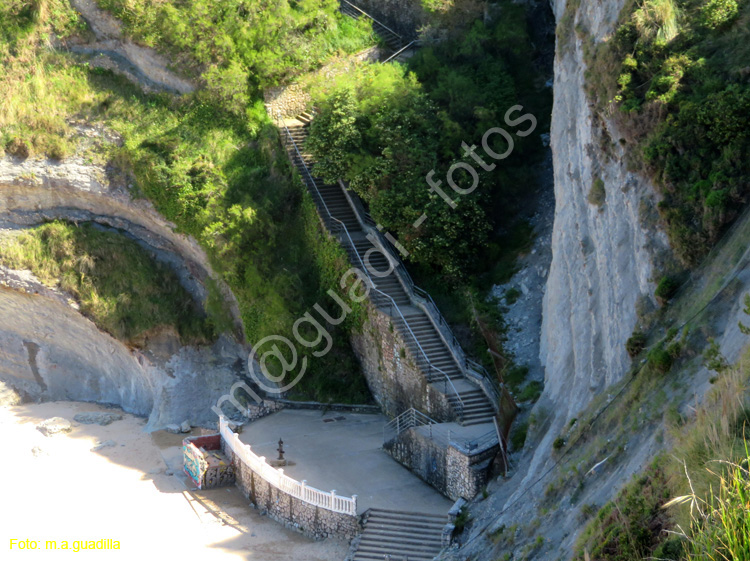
(131,489)
(113,51)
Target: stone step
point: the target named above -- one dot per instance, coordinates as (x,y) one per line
(414,540)
(406,514)
(389,541)
(400,535)
(404,525)
(398,552)
(394,556)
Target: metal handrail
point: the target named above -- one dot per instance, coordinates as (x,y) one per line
(430,305)
(344,229)
(398,52)
(411,418)
(468,365)
(406,420)
(381,24)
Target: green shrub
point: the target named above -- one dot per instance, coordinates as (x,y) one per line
(384,128)
(717,13)
(666,289)
(531,391)
(516,376)
(559,443)
(675,70)
(518,436)
(629,527)
(635,344)
(461,521)
(660,359)
(597,193)
(511,295)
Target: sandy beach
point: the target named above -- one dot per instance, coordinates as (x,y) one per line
(117,483)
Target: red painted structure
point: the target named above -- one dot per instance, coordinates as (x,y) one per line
(205,463)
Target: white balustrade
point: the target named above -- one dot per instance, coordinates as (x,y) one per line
(277,478)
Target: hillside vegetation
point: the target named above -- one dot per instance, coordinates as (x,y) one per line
(677,73)
(116,282)
(691,503)
(210,161)
(386,128)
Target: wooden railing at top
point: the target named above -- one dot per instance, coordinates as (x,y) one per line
(276,477)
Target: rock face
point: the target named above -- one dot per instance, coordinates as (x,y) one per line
(602,255)
(603,261)
(48,351)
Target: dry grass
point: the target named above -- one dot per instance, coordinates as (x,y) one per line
(39,88)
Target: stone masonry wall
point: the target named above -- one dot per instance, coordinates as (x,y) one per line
(314,522)
(454,472)
(392,375)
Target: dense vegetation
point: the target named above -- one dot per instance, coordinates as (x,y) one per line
(210,163)
(239,47)
(116,283)
(677,71)
(384,128)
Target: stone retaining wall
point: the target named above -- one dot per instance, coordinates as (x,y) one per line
(454,472)
(391,371)
(313,521)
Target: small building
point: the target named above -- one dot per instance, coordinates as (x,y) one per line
(205,463)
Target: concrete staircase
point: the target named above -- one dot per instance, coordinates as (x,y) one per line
(392,39)
(434,357)
(399,536)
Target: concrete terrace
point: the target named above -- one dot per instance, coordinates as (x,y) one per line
(342,451)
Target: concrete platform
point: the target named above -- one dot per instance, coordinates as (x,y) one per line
(342,451)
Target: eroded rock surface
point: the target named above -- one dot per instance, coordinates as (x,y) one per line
(50,352)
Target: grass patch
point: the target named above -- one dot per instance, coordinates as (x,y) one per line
(518,436)
(117,283)
(530,391)
(511,295)
(708,518)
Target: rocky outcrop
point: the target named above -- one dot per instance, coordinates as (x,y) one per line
(48,351)
(112,51)
(602,254)
(604,257)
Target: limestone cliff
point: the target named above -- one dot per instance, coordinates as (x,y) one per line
(602,255)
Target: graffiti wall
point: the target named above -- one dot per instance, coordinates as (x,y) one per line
(205,463)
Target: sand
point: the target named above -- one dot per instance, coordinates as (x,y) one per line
(58,488)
